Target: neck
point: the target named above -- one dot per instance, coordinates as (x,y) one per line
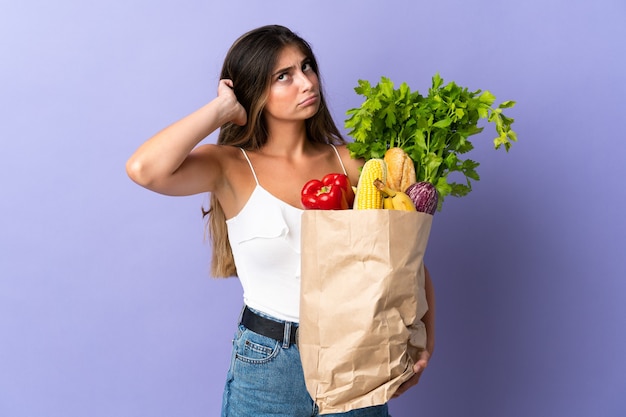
(286,138)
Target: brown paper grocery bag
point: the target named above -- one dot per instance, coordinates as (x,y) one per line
(362,298)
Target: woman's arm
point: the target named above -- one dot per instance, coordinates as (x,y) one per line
(168,163)
(429,317)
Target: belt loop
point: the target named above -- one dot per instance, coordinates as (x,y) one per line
(287,335)
(243,310)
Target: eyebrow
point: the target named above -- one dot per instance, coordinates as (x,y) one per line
(289,68)
(282,70)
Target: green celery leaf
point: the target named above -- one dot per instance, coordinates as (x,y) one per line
(487,98)
(468,167)
(443,123)
(507,104)
(459,190)
(436,81)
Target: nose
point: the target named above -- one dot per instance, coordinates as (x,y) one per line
(307,80)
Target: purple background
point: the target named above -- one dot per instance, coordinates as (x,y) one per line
(106,305)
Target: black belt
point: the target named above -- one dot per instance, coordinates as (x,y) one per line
(269,328)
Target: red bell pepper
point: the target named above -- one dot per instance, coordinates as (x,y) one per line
(343,181)
(331,193)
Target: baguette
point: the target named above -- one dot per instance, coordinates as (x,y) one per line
(400,169)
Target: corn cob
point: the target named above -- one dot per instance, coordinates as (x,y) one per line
(367,195)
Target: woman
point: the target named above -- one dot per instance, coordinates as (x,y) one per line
(276,133)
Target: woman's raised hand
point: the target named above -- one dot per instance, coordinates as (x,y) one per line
(237,113)
(166,163)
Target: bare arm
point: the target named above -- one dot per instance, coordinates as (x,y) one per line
(429,317)
(169,162)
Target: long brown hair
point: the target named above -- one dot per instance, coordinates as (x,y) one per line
(249,64)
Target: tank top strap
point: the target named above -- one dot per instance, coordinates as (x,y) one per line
(251,167)
(339,157)
(257,180)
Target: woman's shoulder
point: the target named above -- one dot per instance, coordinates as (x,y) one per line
(353,166)
(347,158)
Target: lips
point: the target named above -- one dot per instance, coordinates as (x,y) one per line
(309,100)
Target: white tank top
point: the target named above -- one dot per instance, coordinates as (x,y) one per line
(265,240)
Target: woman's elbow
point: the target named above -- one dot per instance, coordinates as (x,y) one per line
(136,171)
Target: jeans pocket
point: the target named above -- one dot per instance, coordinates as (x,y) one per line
(265,379)
(254,348)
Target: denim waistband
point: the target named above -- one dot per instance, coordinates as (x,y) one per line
(282,331)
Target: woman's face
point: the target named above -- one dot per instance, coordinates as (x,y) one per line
(294,88)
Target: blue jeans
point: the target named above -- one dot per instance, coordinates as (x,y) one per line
(266,379)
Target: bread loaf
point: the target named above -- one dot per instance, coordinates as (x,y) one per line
(400,169)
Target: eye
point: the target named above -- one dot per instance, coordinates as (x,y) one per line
(283,76)
(307,67)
